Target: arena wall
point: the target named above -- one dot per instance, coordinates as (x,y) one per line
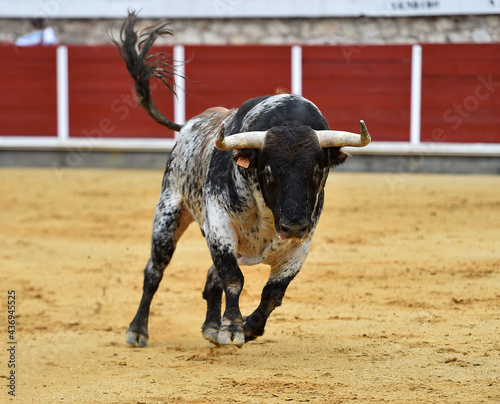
(439,97)
(425,85)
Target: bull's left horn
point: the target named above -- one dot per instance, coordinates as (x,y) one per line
(337,138)
(245,140)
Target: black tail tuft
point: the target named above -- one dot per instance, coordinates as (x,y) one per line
(134,47)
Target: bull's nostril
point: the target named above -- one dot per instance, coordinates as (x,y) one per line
(284,232)
(304,230)
(294,230)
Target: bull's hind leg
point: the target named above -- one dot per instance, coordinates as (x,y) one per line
(170,221)
(213,295)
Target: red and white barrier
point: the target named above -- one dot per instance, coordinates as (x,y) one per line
(423,99)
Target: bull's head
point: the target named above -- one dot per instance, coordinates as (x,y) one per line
(292,166)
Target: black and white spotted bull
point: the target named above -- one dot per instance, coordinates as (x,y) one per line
(252,178)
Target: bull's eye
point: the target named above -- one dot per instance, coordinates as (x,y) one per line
(268,174)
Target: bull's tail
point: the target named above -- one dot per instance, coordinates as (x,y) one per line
(134,47)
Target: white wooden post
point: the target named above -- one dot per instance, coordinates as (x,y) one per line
(297,70)
(180,85)
(416,94)
(62,94)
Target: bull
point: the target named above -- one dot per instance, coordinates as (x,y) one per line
(252,178)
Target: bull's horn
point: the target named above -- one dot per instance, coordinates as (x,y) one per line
(337,138)
(245,140)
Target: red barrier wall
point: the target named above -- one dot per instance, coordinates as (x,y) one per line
(28,101)
(229,75)
(349,83)
(460,93)
(102,98)
(460,85)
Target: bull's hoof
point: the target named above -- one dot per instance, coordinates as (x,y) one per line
(232,334)
(252,331)
(136,338)
(210,332)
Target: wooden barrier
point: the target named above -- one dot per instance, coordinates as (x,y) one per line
(229,75)
(461,93)
(353,83)
(459,102)
(102,97)
(28,101)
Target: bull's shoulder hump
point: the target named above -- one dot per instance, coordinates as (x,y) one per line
(279,100)
(212,116)
(282,102)
(207,123)
(197,136)
(211,111)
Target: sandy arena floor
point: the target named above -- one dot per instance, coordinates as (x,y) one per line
(399,300)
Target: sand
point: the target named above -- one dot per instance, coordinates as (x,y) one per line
(399,300)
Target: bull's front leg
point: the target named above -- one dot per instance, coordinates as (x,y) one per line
(222,243)
(231,328)
(282,273)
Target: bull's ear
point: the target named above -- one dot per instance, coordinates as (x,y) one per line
(335,156)
(246,158)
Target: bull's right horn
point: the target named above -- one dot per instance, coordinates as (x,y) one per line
(338,138)
(245,140)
